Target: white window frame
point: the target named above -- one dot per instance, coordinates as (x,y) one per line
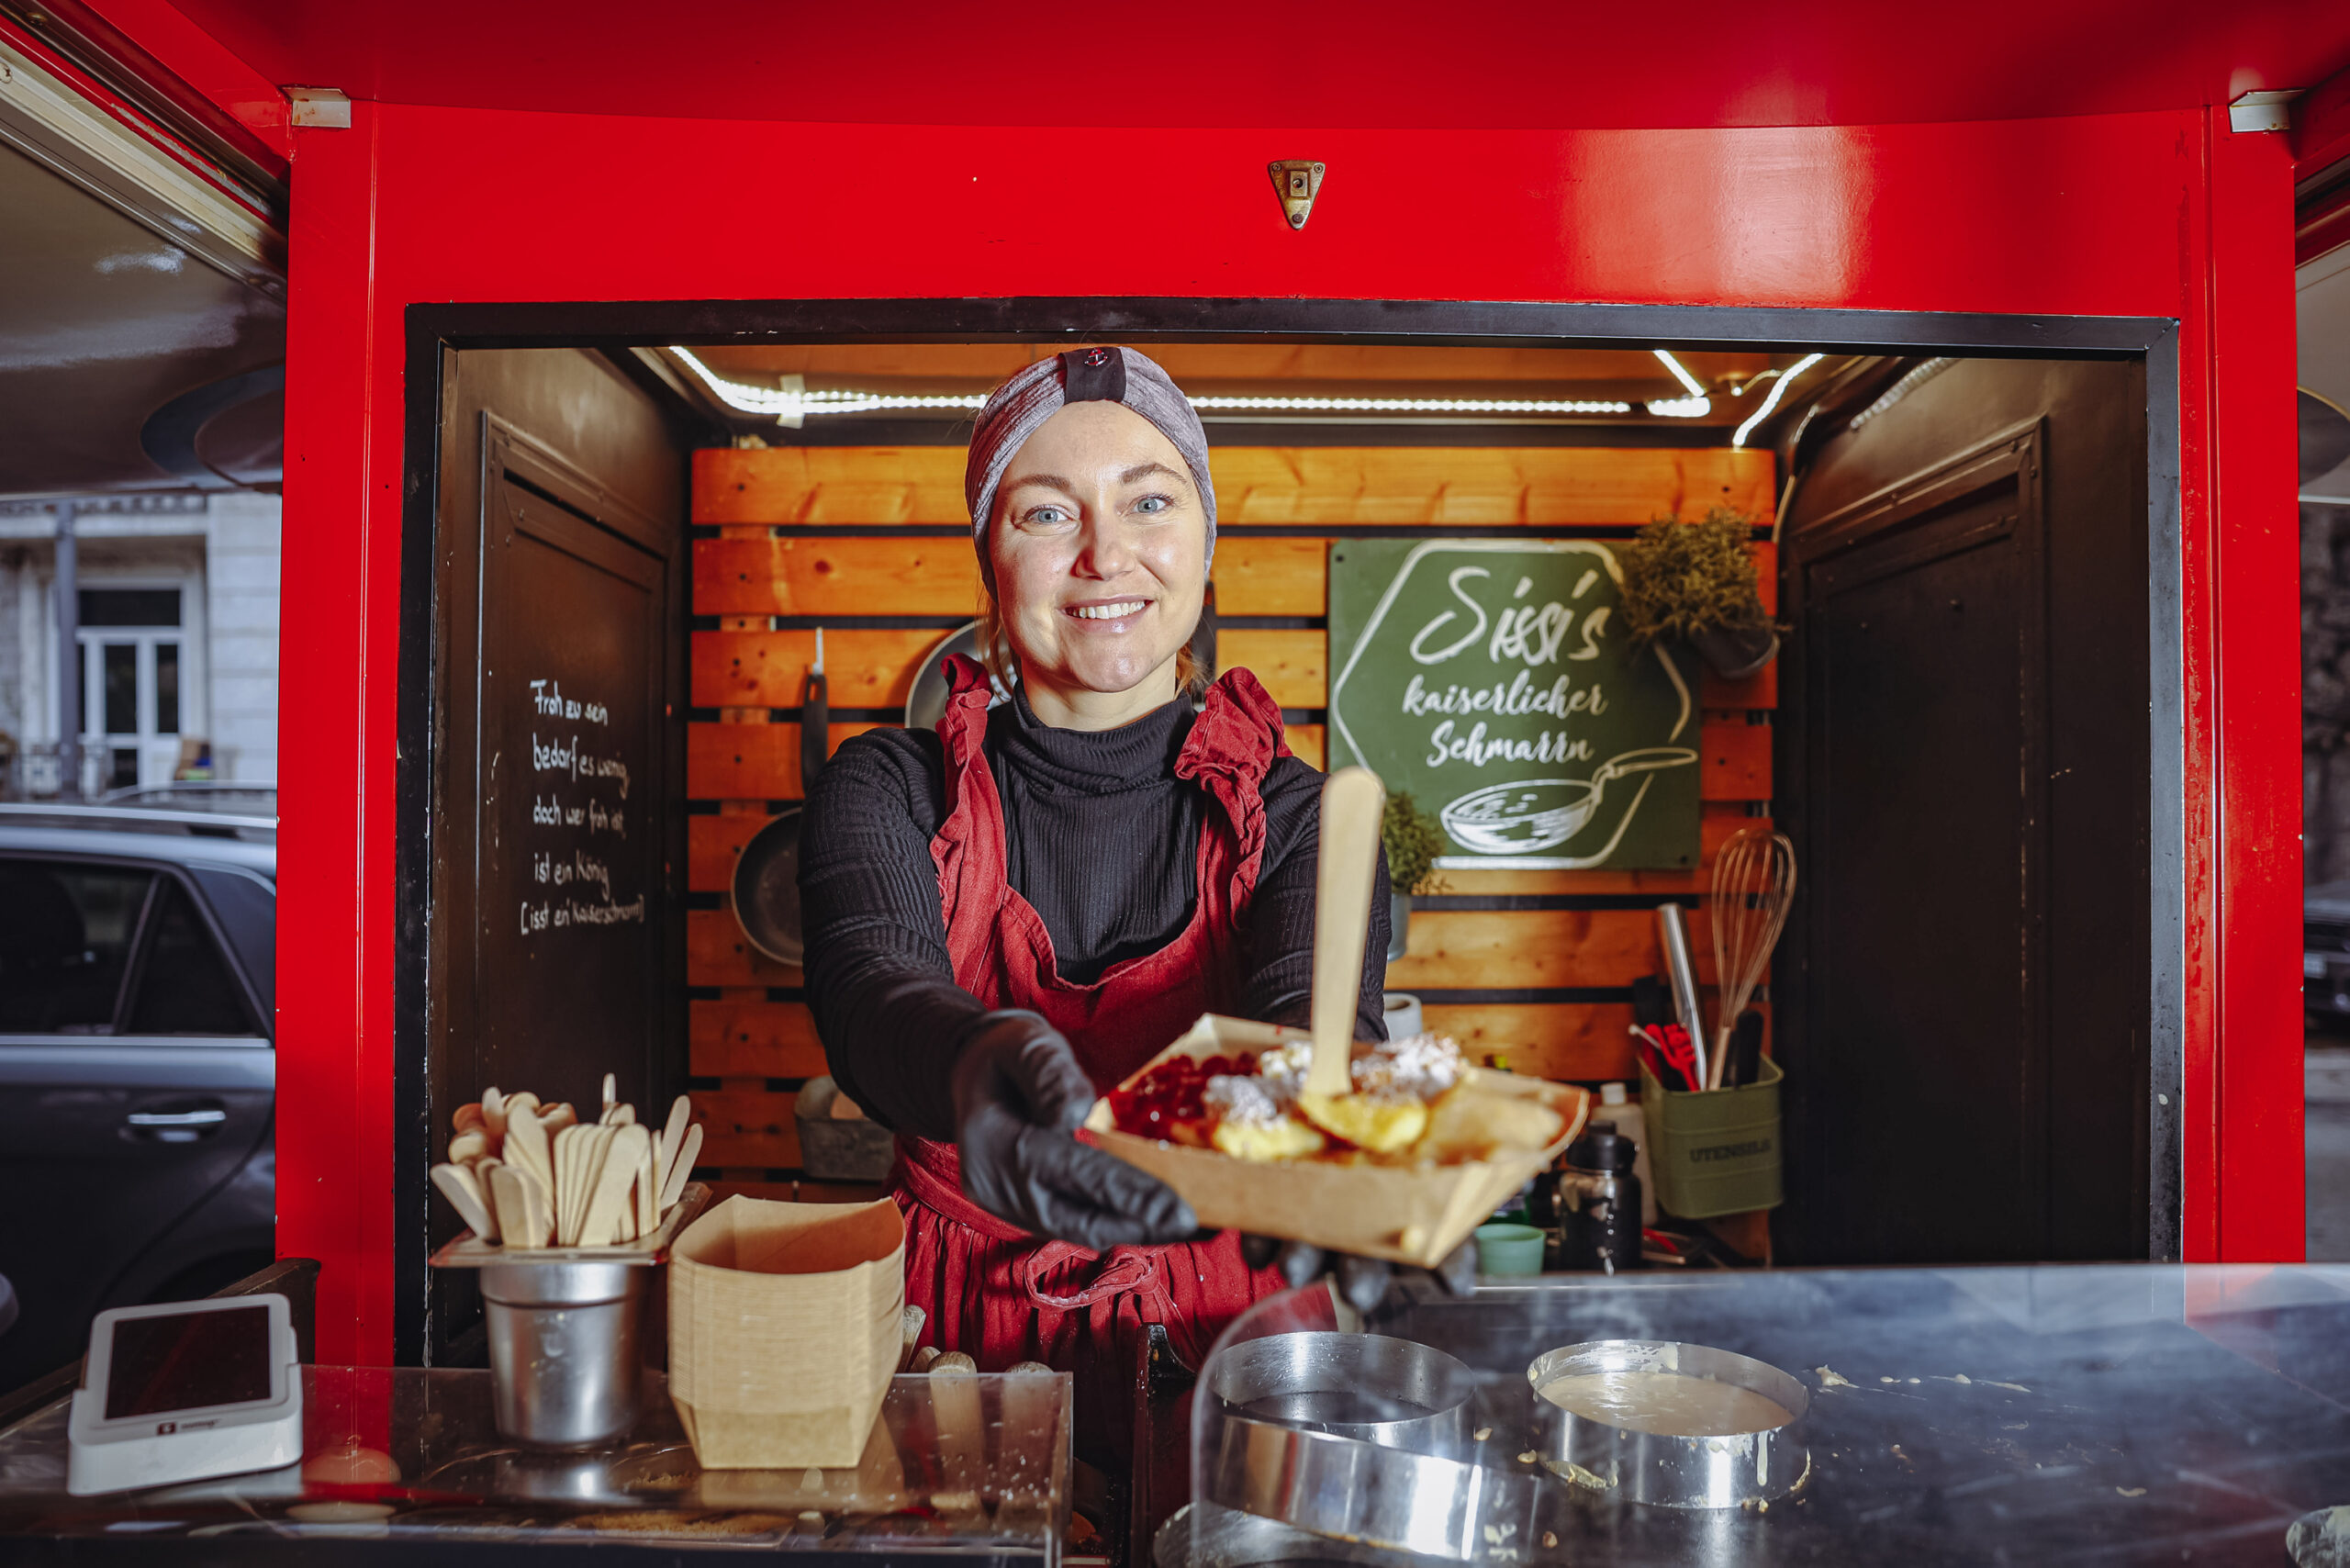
(158,753)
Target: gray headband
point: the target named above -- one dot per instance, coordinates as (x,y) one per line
(1081,375)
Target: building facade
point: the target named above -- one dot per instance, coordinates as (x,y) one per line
(178,607)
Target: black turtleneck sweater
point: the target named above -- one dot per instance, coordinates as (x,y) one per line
(1100,837)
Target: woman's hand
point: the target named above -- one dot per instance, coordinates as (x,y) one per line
(1020,1097)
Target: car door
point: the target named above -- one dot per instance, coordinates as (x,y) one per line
(136,1077)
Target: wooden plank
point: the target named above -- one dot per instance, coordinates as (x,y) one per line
(830,484)
(766,669)
(1292,666)
(1736,757)
(1547,486)
(1272,576)
(717,952)
(1766,569)
(1306,740)
(753,1039)
(751,762)
(836,577)
(1760,690)
(1516,949)
(1584,1042)
(712,846)
(747,1124)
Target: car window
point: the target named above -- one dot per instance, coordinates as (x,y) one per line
(246,906)
(65,936)
(186,987)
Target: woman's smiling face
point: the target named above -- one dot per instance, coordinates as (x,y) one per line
(1099,546)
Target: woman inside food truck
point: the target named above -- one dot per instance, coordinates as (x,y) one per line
(1011,915)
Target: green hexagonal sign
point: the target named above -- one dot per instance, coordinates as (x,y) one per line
(1492,679)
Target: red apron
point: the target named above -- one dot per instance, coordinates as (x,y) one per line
(992,1291)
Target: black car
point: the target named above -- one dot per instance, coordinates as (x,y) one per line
(138,1080)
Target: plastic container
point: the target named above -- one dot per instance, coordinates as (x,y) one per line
(1714,1152)
(1616,1104)
(1404,1015)
(1509,1251)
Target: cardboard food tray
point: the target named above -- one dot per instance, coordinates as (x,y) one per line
(786,1322)
(470,1251)
(1404,1213)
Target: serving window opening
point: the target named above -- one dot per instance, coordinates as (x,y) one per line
(1422,554)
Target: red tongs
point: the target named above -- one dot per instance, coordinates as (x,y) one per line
(1670,1055)
(1665,1048)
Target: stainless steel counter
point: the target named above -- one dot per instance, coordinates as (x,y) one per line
(2051,1414)
(996,1492)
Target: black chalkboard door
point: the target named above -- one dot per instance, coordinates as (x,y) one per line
(543,876)
(566,982)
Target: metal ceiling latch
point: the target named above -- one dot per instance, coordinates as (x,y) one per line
(1297,182)
(2262,110)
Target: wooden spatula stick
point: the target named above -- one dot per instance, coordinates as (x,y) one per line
(673,1186)
(456,1184)
(1346,870)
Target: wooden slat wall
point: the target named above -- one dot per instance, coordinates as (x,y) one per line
(789,538)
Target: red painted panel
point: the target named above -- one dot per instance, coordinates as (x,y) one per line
(2152,214)
(337,697)
(1495,63)
(2257,761)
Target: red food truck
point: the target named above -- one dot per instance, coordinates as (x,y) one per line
(2023,278)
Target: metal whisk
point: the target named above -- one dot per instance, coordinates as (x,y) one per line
(1754,883)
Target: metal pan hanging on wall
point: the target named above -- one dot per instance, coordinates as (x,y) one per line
(767,876)
(926,700)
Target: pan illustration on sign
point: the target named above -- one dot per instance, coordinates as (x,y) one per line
(1540,814)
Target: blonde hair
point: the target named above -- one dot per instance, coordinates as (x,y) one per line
(996,652)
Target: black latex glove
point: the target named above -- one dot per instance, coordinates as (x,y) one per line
(1020,1096)
(1362,1282)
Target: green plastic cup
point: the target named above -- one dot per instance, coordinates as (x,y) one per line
(1510,1250)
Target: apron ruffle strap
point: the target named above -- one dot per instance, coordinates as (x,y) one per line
(931,1175)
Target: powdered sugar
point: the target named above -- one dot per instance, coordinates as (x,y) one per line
(1417,1068)
(1244,1101)
(1414,1069)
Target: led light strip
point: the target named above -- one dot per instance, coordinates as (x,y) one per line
(1681,373)
(786,404)
(1778,390)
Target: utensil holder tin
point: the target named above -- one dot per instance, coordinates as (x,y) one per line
(565,1354)
(1714,1151)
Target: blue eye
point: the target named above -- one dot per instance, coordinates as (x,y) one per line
(1153,504)
(1046,515)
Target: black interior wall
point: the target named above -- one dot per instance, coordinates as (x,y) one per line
(1989,490)
(557,473)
